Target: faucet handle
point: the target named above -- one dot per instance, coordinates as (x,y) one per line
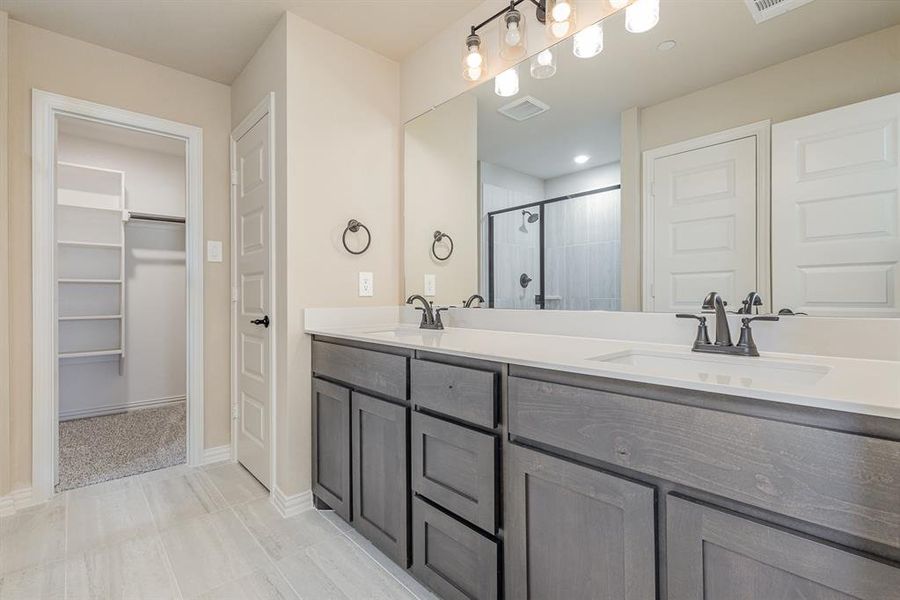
(746,342)
(702,331)
(438,323)
(746,320)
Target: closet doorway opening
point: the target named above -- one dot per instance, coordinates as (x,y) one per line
(117,294)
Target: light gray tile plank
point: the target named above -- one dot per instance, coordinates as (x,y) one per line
(135,569)
(167,473)
(308,580)
(419,591)
(279,536)
(45,582)
(183,497)
(266,584)
(98,519)
(235,483)
(206,551)
(333,518)
(32,537)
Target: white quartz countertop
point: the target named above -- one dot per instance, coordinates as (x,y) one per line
(870,387)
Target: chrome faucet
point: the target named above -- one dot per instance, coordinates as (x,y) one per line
(723,345)
(472,299)
(431,319)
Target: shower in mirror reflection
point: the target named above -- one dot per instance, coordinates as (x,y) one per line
(531,218)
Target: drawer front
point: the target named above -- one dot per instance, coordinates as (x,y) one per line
(466,394)
(847,482)
(713,554)
(455,467)
(331,445)
(365,369)
(450,558)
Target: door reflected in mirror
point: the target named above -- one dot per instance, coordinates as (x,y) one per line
(736,158)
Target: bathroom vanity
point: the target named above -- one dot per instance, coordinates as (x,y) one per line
(492,479)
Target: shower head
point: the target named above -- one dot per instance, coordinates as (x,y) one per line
(532,217)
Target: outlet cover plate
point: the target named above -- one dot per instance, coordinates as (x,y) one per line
(366,284)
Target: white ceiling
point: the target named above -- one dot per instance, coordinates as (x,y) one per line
(120,136)
(717,41)
(216,38)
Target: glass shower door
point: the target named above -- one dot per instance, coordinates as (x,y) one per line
(515,260)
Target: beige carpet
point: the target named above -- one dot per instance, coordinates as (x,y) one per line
(101,448)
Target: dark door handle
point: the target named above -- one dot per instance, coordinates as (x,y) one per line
(264,321)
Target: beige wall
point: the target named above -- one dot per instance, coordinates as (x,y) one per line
(337,158)
(52,62)
(4,262)
(433,73)
(440,192)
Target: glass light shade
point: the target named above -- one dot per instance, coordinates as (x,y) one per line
(589,41)
(560,17)
(507,83)
(642,16)
(512,36)
(543,64)
(474,62)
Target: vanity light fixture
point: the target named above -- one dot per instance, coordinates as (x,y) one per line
(507,83)
(642,16)
(560,17)
(512,35)
(581,159)
(543,64)
(588,42)
(474,62)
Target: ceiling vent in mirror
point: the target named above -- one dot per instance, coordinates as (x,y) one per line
(523,108)
(763,10)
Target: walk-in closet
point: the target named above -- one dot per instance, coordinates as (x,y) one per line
(121,305)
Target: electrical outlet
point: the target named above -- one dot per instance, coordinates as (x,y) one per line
(213,251)
(366,284)
(430,284)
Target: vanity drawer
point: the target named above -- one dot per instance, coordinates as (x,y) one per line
(847,482)
(455,467)
(459,392)
(366,369)
(452,559)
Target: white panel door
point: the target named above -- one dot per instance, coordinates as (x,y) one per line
(835,218)
(252,205)
(703,226)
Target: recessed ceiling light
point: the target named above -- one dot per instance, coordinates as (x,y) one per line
(581,159)
(666,45)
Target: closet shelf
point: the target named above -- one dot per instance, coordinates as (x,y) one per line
(91,318)
(87,207)
(88,353)
(88,244)
(76,280)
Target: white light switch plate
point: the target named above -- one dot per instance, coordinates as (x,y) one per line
(430,284)
(366,284)
(213,251)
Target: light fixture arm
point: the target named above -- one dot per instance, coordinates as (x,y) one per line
(540,13)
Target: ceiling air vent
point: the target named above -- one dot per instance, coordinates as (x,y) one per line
(763,10)
(524,108)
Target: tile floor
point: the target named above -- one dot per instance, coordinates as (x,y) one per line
(188,533)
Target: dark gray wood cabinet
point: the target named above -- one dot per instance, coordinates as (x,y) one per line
(460,392)
(378,372)
(715,555)
(331,446)
(576,533)
(380,464)
(455,467)
(452,559)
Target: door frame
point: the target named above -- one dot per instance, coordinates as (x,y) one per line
(46,108)
(265,107)
(762,131)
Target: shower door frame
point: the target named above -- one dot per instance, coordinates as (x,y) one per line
(541,302)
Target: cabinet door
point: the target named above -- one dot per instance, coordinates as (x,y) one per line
(380,475)
(576,533)
(714,555)
(331,446)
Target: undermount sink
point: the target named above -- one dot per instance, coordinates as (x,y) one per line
(725,370)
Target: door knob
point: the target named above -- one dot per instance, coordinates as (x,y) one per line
(264,321)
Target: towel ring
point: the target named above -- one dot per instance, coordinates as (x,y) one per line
(353,226)
(438,236)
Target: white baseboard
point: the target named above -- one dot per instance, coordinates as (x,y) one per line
(16,500)
(111,409)
(289,506)
(216,454)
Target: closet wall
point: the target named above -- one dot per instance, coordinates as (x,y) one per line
(151,369)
